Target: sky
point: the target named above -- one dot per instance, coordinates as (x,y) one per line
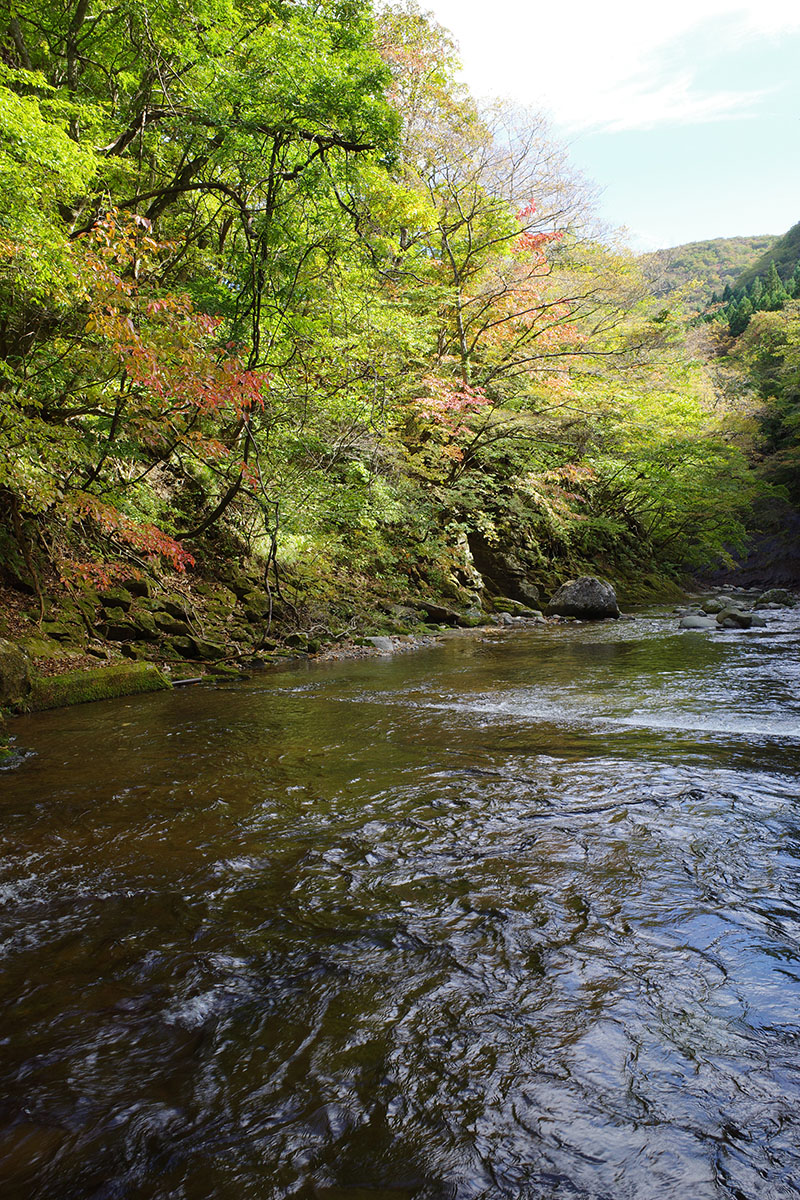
(685,114)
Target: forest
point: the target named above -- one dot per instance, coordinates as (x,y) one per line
(289,320)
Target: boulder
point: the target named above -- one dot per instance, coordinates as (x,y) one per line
(100,683)
(177,607)
(695,621)
(139,586)
(172,625)
(438,613)
(15,674)
(712,607)
(130,627)
(586,597)
(734,618)
(777,596)
(298,639)
(114,598)
(384,645)
(471,619)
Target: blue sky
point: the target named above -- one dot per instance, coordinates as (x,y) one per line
(685,114)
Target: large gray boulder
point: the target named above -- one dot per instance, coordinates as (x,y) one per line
(697,621)
(586,597)
(734,618)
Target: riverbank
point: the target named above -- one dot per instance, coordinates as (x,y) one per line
(63,645)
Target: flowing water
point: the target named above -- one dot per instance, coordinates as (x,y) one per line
(515,917)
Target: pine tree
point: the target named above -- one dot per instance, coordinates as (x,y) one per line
(793,286)
(740,317)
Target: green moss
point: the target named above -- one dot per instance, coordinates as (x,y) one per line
(99,683)
(648,588)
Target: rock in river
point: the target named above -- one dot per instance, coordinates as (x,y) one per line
(696,621)
(734,618)
(586,597)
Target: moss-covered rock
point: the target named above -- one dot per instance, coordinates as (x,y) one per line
(177,607)
(15,674)
(139,586)
(298,639)
(256,606)
(172,625)
(100,683)
(63,631)
(195,648)
(131,627)
(115,598)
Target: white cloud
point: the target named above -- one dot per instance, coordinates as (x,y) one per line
(611,64)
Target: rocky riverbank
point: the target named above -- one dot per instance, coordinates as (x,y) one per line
(145,633)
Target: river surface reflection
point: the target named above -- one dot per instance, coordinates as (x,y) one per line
(515,917)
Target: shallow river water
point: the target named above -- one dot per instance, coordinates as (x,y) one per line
(514,917)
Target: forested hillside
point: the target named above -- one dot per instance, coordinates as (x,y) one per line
(783,254)
(699,269)
(277,295)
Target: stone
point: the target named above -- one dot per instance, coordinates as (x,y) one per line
(256,606)
(506,604)
(172,625)
(115,598)
(238,583)
(776,596)
(131,650)
(140,587)
(438,613)
(138,627)
(502,571)
(697,622)
(734,618)
(177,607)
(15,674)
(712,607)
(471,619)
(205,649)
(298,639)
(759,622)
(384,645)
(586,597)
(99,683)
(61,631)
(505,618)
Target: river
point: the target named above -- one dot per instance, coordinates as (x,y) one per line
(514,917)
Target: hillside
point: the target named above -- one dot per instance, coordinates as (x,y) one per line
(784,252)
(705,267)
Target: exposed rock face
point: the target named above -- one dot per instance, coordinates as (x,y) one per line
(586,597)
(438,613)
(502,572)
